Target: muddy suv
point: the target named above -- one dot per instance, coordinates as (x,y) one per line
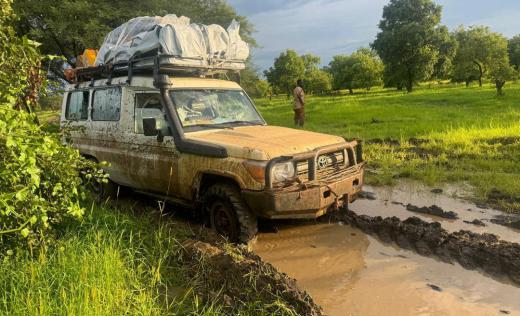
(202,143)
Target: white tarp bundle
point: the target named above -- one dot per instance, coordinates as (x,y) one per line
(191,44)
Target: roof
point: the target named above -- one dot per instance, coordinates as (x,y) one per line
(177,83)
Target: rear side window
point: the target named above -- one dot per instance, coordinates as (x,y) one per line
(77,106)
(106,104)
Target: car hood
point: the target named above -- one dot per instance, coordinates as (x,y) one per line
(264,142)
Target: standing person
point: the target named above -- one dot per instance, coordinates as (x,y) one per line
(299,104)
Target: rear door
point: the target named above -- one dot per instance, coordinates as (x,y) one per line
(152,164)
(106,129)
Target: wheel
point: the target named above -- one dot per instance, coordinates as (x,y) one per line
(228,213)
(101,191)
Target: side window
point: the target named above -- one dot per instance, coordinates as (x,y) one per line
(106,104)
(148,105)
(77,106)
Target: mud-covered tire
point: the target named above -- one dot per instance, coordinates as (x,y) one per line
(102,191)
(228,213)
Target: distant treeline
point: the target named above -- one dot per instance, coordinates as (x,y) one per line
(411,47)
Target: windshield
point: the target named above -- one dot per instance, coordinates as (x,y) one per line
(214,108)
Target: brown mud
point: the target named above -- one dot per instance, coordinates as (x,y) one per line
(232,275)
(486,252)
(350,273)
(432,210)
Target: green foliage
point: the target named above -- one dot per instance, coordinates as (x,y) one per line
(39,183)
(408,41)
(287,69)
(18,56)
(480,52)
(251,83)
(68,27)
(361,70)
(447,44)
(514,51)
(39,179)
(317,81)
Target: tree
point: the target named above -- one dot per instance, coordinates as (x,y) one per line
(408,41)
(447,44)
(251,82)
(68,27)
(367,70)
(287,69)
(317,81)
(362,69)
(514,52)
(340,69)
(479,51)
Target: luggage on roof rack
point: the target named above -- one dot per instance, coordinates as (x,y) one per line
(179,45)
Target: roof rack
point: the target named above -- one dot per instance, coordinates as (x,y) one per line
(156,65)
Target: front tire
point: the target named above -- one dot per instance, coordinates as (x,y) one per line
(228,213)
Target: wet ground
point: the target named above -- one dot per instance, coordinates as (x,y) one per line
(350,273)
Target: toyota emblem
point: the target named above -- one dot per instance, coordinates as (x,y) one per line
(323,162)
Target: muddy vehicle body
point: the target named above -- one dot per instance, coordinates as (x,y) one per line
(202,143)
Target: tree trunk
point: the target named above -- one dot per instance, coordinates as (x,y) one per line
(399,87)
(500,84)
(409,83)
(350,91)
(467,83)
(480,73)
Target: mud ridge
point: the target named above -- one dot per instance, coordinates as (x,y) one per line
(485,252)
(233,274)
(508,221)
(432,210)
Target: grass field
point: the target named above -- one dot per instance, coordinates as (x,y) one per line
(434,134)
(121,261)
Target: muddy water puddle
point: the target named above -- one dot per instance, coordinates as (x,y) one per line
(393,201)
(350,273)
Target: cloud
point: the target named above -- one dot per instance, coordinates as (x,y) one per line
(322,27)
(330,27)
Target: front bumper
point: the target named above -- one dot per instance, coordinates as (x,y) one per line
(309,200)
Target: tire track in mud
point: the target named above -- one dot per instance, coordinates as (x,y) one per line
(485,252)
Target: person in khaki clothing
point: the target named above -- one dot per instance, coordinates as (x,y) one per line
(299,104)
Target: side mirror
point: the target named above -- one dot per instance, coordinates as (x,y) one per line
(150,127)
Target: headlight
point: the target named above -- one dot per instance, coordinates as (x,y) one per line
(283,171)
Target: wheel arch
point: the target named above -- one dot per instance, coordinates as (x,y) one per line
(205,179)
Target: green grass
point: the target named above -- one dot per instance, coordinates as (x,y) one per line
(392,114)
(114,263)
(469,134)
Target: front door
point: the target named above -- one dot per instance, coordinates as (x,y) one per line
(152,164)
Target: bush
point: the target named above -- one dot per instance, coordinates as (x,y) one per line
(39,179)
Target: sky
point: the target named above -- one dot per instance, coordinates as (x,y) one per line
(332,27)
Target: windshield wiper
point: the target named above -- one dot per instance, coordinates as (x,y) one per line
(242,123)
(216,126)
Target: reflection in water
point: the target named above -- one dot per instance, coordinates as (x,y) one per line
(349,273)
(420,195)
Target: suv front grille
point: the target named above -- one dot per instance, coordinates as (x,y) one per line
(329,164)
(322,164)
